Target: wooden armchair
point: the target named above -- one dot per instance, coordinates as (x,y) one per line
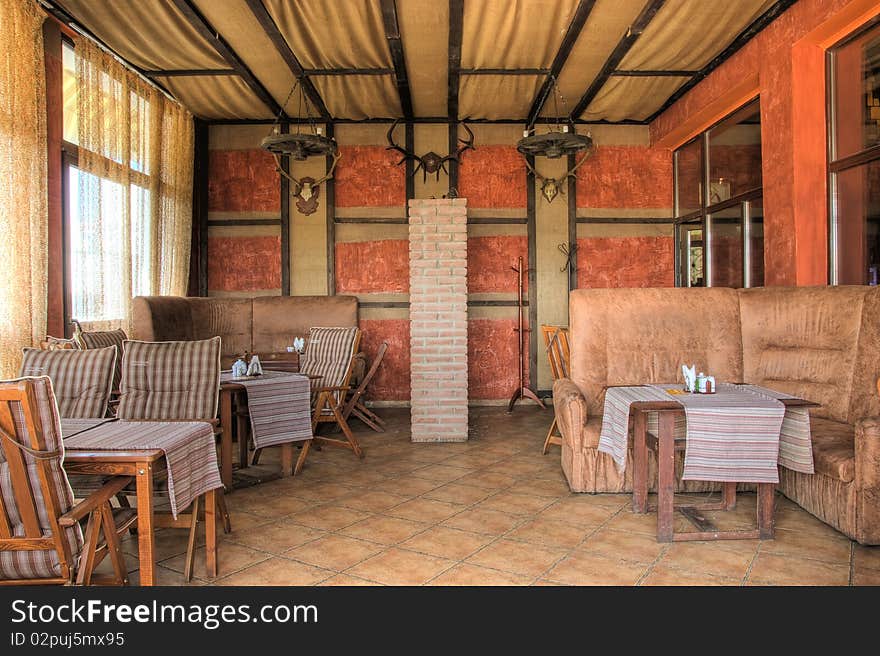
(559,354)
(41,540)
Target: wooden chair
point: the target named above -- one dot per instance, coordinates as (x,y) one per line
(41,540)
(354,404)
(559,354)
(330,355)
(174,381)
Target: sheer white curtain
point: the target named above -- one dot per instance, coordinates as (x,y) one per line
(131,212)
(23,213)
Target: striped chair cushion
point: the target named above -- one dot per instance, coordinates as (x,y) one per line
(329,354)
(82,380)
(102,339)
(170,380)
(43,563)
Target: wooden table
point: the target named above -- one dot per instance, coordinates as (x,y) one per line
(144,466)
(666,447)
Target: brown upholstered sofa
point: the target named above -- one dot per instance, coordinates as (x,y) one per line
(263,324)
(820,343)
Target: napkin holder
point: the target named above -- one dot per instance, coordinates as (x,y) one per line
(254,368)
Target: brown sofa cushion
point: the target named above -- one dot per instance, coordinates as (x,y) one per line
(834,451)
(278,319)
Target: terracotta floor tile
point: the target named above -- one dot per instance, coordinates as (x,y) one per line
(707,558)
(549,533)
(277,571)
(231,557)
(798,519)
(624,545)
(276,537)
(400,567)
(866,577)
(407,486)
(517,557)
(549,488)
(441,473)
(773,569)
(425,510)
(472,575)
(346,580)
(578,514)
(161,576)
(243,521)
(806,544)
(272,507)
(490,522)
(447,542)
(516,504)
(336,552)
(661,575)
(458,493)
(592,569)
(489,480)
(372,501)
(330,517)
(866,557)
(169,542)
(384,530)
(629,521)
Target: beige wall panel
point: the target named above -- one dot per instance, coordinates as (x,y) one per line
(365,134)
(497,212)
(618,135)
(424,31)
(497,229)
(248,294)
(308,236)
(587,230)
(371,212)
(493,296)
(383,313)
(383,298)
(491,312)
(430,137)
(237,137)
(230,216)
(244,231)
(356,232)
(621,212)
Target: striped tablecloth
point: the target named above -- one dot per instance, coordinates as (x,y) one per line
(740,434)
(70,427)
(190,452)
(280,406)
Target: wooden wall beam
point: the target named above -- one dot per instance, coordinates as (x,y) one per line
(285,219)
(395,47)
(200,223)
(330,202)
(456,30)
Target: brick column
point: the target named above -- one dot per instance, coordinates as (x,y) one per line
(438,319)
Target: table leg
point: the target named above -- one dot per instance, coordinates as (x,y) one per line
(211,532)
(640,463)
(287,459)
(226,438)
(766,501)
(666,477)
(728,496)
(146,537)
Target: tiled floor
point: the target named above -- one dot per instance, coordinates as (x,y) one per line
(492,511)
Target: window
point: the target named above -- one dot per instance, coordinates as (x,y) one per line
(854,167)
(718,204)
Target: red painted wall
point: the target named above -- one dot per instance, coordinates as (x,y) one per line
(372,267)
(626,262)
(244,264)
(392,379)
(243,181)
(368,176)
(489,263)
(493,177)
(493,367)
(628,177)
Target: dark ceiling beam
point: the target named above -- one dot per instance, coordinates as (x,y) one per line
(456,28)
(668,73)
(395,47)
(581,14)
(620,51)
(203,27)
(348,71)
(271,29)
(438,120)
(190,72)
(504,71)
(744,37)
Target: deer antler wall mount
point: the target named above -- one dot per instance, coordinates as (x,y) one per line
(306,190)
(430,162)
(550,187)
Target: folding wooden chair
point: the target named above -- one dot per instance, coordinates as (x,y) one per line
(174,381)
(559,354)
(355,403)
(41,540)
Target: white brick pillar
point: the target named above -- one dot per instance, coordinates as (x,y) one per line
(438,319)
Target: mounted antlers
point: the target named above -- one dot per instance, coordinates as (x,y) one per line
(306,190)
(550,187)
(430,162)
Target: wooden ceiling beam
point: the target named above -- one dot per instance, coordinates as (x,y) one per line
(201,25)
(395,47)
(581,14)
(258,9)
(456,30)
(620,51)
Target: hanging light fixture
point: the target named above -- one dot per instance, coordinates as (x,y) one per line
(304,142)
(563,140)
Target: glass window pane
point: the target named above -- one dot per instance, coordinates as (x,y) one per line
(690,241)
(756,243)
(856,77)
(725,243)
(735,155)
(688,169)
(857,225)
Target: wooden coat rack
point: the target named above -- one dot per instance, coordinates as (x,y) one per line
(523,391)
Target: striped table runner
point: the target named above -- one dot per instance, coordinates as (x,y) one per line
(739,434)
(70,427)
(280,406)
(190,452)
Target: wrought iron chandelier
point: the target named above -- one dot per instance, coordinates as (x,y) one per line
(563,140)
(303,143)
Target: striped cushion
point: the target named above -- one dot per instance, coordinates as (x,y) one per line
(102,339)
(81,379)
(43,563)
(58,343)
(170,380)
(329,354)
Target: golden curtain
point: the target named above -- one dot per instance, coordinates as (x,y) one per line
(23,213)
(130,234)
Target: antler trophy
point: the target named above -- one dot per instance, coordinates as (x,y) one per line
(430,162)
(550,187)
(306,190)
